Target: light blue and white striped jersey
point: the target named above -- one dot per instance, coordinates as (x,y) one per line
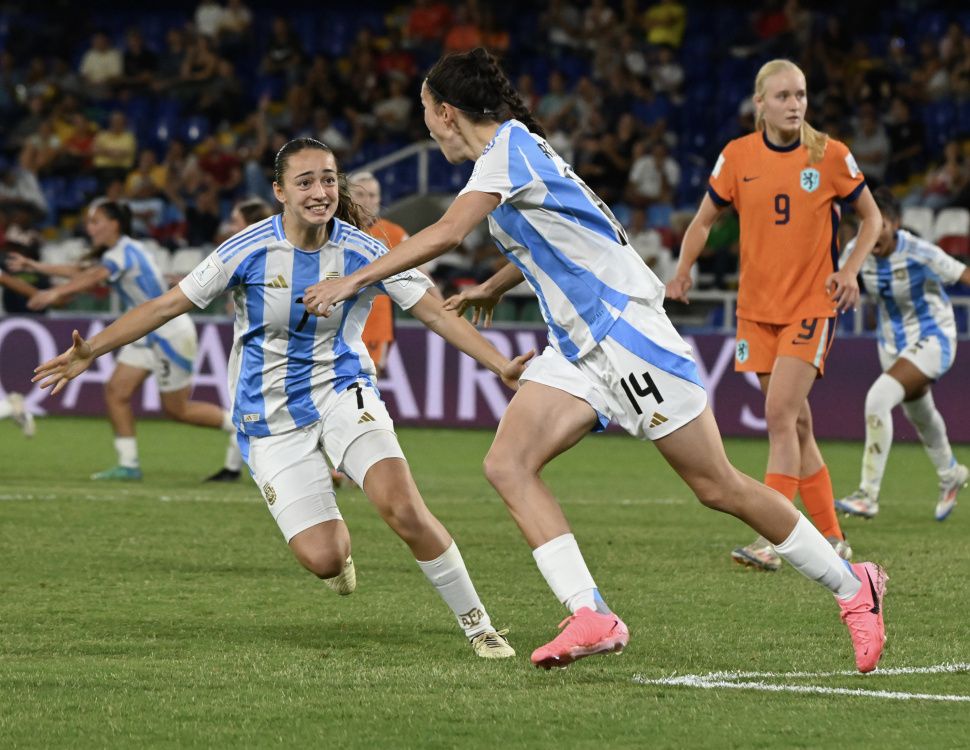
(284,361)
(134,273)
(573,252)
(137,278)
(909,287)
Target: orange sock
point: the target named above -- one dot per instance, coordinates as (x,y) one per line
(786,484)
(819,501)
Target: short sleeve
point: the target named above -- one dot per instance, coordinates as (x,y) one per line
(492,172)
(406,288)
(115,263)
(207,281)
(721,186)
(847,178)
(948,268)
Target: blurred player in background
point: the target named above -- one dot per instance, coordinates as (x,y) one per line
(917,344)
(612,353)
(303,386)
(786,180)
(168,353)
(14,407)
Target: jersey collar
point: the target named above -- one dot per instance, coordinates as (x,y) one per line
(781,149)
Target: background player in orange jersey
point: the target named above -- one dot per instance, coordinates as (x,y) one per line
(786,181)
(379,332)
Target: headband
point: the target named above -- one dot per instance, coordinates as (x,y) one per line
(470,110)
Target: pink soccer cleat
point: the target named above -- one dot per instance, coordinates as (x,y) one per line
(586,633)
(863,615)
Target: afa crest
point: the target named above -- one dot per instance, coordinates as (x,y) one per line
(269,493)
(810,180)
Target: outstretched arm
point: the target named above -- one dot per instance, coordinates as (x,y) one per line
(446,233)
(81,283)
(691,248)
(19,286)
(462,335)
(131,326)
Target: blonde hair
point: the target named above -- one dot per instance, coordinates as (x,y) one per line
(814,141)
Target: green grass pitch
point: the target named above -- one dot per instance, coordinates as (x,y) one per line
(168,613)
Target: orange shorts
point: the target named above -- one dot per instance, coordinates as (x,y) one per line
(760,344)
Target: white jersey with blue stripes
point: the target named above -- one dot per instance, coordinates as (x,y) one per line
(137,278)
(572,250)
(909,288)
(284,361)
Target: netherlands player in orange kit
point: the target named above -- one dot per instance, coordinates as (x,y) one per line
(786,181)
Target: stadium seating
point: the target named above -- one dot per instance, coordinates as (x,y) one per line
(919,219)
(951,231)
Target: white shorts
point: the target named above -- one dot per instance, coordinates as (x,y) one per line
(168,353)
(932,356)
(642,374)
(292,472)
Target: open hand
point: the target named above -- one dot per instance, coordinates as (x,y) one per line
(58,371)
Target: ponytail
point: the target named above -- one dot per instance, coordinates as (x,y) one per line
(475,84)
(813,141)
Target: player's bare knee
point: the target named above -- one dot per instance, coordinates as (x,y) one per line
(503,471)
(323,563)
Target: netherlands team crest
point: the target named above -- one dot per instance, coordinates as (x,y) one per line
(810,180)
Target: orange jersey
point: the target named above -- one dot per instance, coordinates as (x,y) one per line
(387,233)
(379,329)
(790,216)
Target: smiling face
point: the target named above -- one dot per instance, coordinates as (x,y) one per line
(783,104)
(308,190)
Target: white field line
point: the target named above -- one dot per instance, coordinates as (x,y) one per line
(742,681)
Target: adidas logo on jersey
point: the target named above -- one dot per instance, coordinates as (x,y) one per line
(332,275)
(279,283)
(658,419)
(366,418)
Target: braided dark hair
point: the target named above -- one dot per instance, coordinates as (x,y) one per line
(474,83)
(347,208)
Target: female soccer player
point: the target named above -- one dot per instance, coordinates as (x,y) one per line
(168,353)
(786,180)
(917,343)
(612,353)
(301,385)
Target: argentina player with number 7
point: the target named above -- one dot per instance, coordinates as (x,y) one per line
(612,353)
(786,181)
(302,386)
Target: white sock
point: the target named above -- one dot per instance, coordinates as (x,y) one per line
(562,565)
(6,409)
(450,579)
(227,425)
(234,460)
(928,421)
(127,448)
(811,555)
(884,395)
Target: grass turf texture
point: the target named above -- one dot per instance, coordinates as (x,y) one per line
(170,613)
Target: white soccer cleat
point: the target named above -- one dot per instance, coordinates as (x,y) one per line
(493,645)
(346,581)
(21,416)
(859,504)
(949,490)
(759,555)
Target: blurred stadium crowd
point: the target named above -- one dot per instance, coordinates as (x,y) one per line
(179,107)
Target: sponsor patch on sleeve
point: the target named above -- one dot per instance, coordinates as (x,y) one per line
(853,167)
(205,272)
(403,278)
(716,172)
